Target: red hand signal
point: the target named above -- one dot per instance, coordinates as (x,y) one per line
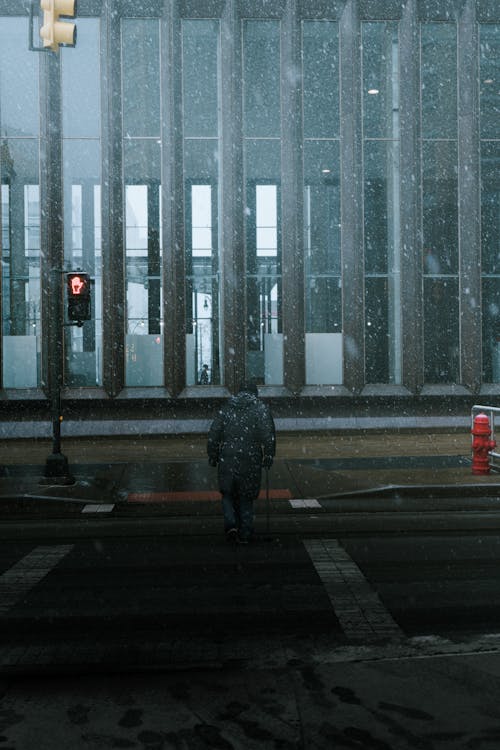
(77,284)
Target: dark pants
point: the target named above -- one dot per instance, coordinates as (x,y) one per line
(239,490)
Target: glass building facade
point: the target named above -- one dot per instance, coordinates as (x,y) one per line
(301,192)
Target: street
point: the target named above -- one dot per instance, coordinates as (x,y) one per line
(439,584)
(376,641)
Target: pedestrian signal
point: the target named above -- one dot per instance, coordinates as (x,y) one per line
(55,32)
(79,302)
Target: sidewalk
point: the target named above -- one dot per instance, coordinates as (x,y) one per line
(171,476)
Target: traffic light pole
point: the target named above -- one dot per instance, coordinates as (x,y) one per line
(52,234)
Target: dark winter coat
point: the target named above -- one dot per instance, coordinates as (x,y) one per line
(241,433)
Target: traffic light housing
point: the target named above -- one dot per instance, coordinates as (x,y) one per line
(79,302)
(53,31)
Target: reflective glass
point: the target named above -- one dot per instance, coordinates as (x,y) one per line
(82,177)
(380,80)
(381,202)
(320,56)
(203,355)
(201,92)
(82,209)
(490,207)
(322,237)
(264,361)
(81,90)
(382,262)
(439,80)
(19,114)
(441,330)
(491,329)
(489,62)
(490,247)
(440,261)
(144,322)
(261,76)
(20,262)
(440,207)
(141,77)
(200,59)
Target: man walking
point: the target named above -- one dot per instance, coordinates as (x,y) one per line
(241,440)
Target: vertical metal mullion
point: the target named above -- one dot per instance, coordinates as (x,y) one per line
(174,297)
(469,199)
(232,267)
(351,201)
(410,202)
(88,256)
(51,224)
(1,270)
(154,291)
(113,270)
(292,202)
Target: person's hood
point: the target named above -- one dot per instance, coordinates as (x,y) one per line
(243,400)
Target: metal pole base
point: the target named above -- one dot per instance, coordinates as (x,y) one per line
(57,470)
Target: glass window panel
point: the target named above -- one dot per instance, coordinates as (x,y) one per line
(141,77)
(491,329)
(81,96)
(20,263)
(377,205)
(381,198)
(261,79)
(19,115)
(136,220)
(202,291)
(380,80)
(440,207)
(376,330)
(441,330)
(144,321)
(82,213)
(322,263)
(266,220)
(32,220)
(262,160)
(200,58)
(439,80)
(264,360)
(97,221)
(322,207)
(321,79)
(489,62)
(201,219)
(490,248)
(383,336)
(490,207)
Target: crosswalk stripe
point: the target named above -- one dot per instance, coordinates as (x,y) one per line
(361,614)
(24,575)
(304,503)
(98,508)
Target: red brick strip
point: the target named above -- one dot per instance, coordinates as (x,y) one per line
(200,495)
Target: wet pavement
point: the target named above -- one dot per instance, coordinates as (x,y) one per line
(284,644)
(173,471)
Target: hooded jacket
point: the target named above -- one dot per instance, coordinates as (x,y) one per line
(241,433)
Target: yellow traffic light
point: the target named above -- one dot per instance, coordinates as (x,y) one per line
(55,32)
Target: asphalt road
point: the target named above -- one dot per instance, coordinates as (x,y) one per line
(366,641)
(443,584)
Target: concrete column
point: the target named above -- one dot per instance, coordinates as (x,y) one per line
(113,285)
(352,208)
(469,192)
